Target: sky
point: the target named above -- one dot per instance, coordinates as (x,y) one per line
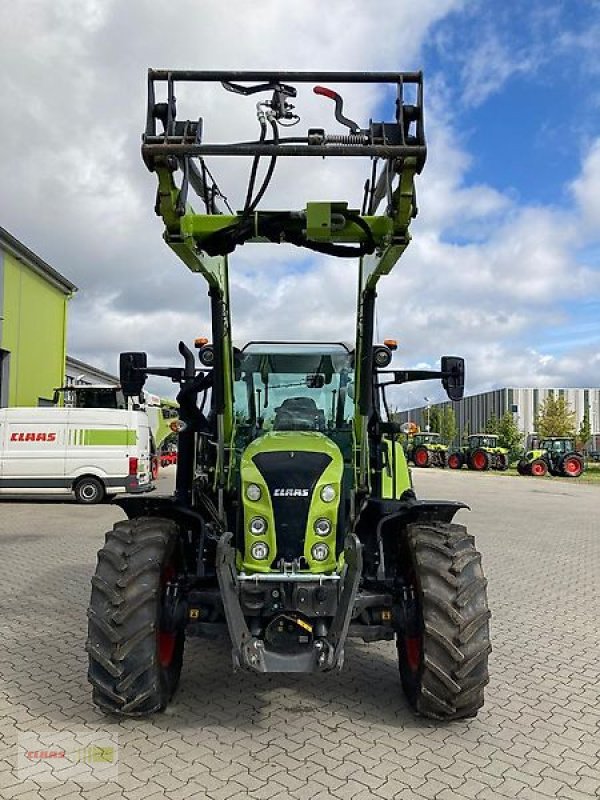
(504,266)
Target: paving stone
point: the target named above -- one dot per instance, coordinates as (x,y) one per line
(340,736)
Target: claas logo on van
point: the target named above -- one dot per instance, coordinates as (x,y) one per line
(24,436)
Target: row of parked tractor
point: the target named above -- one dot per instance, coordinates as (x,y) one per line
(553,455)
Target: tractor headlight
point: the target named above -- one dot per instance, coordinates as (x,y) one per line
(259,551)
(328,493)
(258,525)
(253,492)
(322,527)
(320,551)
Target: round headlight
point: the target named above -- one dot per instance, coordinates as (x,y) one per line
(322,527)
(259,551)
(320,552)
(328,493)
(258,525)
(253,492)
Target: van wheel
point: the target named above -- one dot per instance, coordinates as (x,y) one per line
(89,490)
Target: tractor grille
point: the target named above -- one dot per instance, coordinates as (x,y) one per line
(291,470)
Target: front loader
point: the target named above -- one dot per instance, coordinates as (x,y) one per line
(294,523)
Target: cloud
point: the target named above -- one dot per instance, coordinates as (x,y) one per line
(490,64)
(483,276)
(586,189)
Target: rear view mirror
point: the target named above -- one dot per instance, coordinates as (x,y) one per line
(132,374)
(453,376)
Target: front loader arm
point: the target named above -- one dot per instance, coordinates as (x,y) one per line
(397,152)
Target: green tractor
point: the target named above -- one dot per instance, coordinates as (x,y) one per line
(556,455)
(481,453)
(294,524)
(427,450)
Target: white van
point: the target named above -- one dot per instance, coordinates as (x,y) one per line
(93,452)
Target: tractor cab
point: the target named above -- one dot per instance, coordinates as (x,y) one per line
(483,440)
(557,445)
(293,387)
(426,438)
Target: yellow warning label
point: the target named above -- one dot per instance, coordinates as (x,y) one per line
(305,625)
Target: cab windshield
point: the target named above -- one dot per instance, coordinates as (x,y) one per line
(427,438)
(484,441)
(294,387)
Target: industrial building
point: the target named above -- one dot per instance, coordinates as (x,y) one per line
(472,413)
(33,325)
(86,374)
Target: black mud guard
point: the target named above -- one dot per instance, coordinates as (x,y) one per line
(166,506)
(378,513)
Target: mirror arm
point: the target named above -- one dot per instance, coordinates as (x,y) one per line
(408,376)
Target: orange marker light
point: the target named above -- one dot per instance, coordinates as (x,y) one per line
(391,343)
(200,342)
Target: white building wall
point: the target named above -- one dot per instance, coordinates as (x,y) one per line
(474,411)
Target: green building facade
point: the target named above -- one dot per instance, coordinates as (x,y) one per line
(33,325)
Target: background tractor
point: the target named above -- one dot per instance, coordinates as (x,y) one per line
(481,453)
(555,455)
(294,523)
(427,450)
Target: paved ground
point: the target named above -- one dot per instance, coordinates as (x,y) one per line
(347,735)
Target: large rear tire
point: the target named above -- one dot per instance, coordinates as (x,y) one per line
(571,465)
(444,662)
(134,658)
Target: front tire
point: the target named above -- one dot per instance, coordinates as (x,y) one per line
(421,456)
(454,461)
(502,462)
(539,468)
(134,657)
(479,460)
(444,659)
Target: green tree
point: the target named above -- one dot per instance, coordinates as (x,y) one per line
(555,417)
(492,425)
(435,419)
(466,433)
(585,430)
(448,424)
(510,435)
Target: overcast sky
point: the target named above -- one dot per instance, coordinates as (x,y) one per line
(504,267)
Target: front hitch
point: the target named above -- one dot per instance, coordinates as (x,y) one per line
(253,652)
